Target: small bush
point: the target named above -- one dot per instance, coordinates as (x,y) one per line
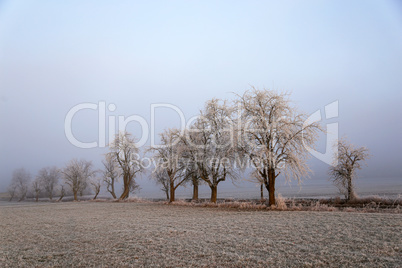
(349,209)
(322,207)
(281,202)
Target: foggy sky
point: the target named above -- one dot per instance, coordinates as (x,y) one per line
(55,55)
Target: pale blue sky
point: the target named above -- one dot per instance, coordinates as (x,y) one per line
(56,54)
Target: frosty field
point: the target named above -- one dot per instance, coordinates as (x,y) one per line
(151,234)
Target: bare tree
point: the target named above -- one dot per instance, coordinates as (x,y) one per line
(62,193)
(195,181)
(210,143)
(49,178)
(76,175)
(123,151)
(162,178)
(134,187)
(36,187)
(189,158)
(347,162)
(273,135)
(19,184)
(12,190)
(110,174)
(169,158)
(96,184)
(256,178)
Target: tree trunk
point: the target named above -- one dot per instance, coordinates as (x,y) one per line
(37,198)
(75,196)
(271,186)
(62,193)
(351,194)
(172,190)
(262,192)
(126,190)
(112,192)
(96,195)
(22,198)
(167,194)
(195,189)
(12,194)
(214,193)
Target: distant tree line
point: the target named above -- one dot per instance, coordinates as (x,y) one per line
(259,131)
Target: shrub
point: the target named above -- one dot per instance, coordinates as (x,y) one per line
(281,202)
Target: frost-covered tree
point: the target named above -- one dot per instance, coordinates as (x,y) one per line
(124,152)
(36,188)
(346,163)
(110,174)
(49,178)
(95,183)
(62,193)
(12,190)
(169,159)
(256,178)
(19,184)
(189,156)
(134,187)
(161,177)
(273,134)
(192,175)
(76,175)
(210,143)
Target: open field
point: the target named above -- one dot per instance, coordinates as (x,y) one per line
(151,234)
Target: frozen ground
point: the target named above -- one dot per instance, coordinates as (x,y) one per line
(142,234)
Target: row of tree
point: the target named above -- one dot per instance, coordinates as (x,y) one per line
(259,130)
(77,176)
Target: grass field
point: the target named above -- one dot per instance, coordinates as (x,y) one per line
(151,234)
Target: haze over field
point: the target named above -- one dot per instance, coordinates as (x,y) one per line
(56,55)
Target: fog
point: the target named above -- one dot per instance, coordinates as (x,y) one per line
(55,55)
